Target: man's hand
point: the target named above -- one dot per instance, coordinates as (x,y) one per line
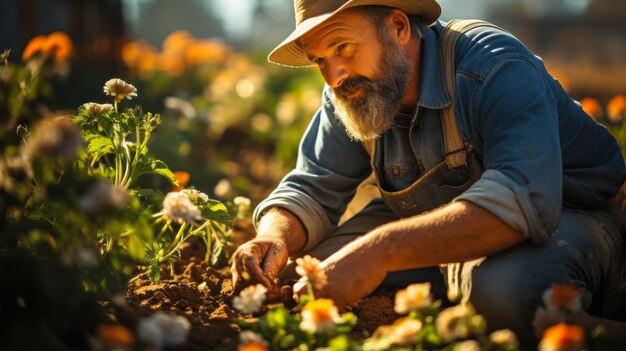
(258,262)
(351,276)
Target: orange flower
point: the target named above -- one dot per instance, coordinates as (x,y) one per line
(183,178)
(115,334)
(205,52)
(177,41)
(616,109)
(35,45)
(562,296)
(147,63)
(133,51)
(171,64)
(591,106)
(563,337)
(59,45)
(562,79)
(254,346)
(318,315)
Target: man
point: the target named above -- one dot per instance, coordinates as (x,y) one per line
(530,193)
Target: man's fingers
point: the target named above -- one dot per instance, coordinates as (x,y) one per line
(274,262)
(235,275)
(252,266)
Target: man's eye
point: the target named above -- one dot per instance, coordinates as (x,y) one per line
(342,47)
(318,60)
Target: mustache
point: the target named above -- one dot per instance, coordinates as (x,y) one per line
(351,85)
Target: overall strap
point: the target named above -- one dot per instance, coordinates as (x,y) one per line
(455,150)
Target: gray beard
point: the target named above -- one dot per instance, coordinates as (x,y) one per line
(370,115)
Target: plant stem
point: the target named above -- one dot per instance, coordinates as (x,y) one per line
(208,239)
(125,183)
(179,239)
(309,290)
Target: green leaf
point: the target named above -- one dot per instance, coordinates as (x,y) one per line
(219,255)
(149,165)
(98,144)
(160,167)
(136,247)
(216,211)
(339,343)
(154,271)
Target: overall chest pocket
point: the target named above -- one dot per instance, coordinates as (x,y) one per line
(400,176)
(458,181)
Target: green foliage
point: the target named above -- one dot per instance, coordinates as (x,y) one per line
(279,327)
(75,223)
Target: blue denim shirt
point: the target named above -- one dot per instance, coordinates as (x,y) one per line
(540,150)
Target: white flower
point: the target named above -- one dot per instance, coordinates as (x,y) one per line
(308,267)
(195,195)
(249,337)
(162,330)
(250,299)
(451,323)
(563,297)
(94,109)
(119,89)
(319,315)
(178,207)
(467,345)
(413,298)
(53,138)
(504,337)
(103,196)
(402,332)
(243,206)
(241,201)
(223,188)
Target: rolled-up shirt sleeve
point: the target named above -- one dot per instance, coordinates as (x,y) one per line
(515,123)
(328,170)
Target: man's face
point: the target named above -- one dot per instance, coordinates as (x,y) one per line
(365,68)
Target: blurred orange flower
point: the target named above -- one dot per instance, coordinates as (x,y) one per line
(563,337)
(561,78)
(35,45)
(147,63)
(57,44)
(616,109)
(171,64)
(253,346)
(183,178)
(177,41)
(318,315)
(205,51)
(60,45)
(115,334)
(562,296)
(591,106)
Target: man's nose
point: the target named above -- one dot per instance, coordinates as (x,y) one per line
(335,74)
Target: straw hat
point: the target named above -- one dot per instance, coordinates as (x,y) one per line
(311,13)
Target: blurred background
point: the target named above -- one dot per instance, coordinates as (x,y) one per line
(231,121)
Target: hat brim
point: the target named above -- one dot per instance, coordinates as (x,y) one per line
(289,53)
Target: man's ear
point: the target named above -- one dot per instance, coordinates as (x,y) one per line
(399,25)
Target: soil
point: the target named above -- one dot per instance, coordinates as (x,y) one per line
(180,291)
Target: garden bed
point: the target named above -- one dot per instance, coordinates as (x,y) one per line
(203,294)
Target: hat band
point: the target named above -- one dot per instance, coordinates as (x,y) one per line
(310,8)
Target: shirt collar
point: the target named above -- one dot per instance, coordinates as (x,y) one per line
(433,93)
